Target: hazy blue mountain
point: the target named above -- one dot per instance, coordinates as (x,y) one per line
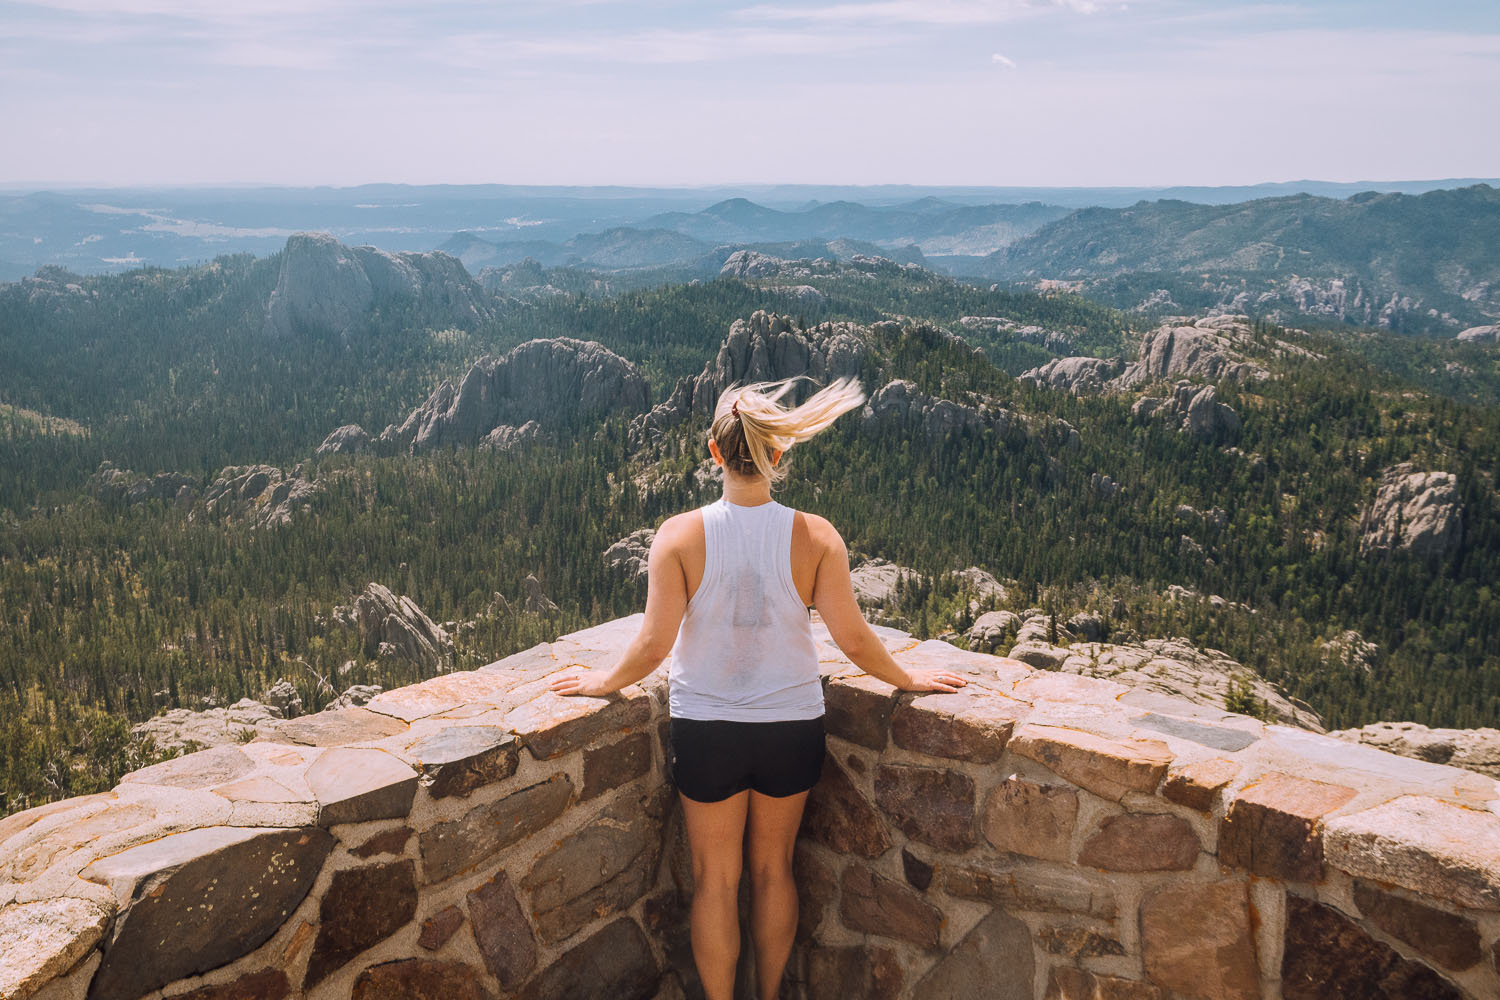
(108,230)
(1424,262)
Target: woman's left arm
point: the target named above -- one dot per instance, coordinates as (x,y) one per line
(666,603)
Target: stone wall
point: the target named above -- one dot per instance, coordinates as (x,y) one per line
(1039,836)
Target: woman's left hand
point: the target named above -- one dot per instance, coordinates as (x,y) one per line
(591,684)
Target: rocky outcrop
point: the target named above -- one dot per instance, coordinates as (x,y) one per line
(261,495)
(185,730)
(392,627)
(1472,749)
(980,583)
(536,602)
(764,348)
(326,286)
(1078,375)
(992,631)
(875,581)
(124,486)
(902,404)
(555,383)
(1480,334)
(1008,329)
(350,439)
(1172,667)
(1420,512)
(505,437)
(804,295)
(631,553)
(1203,350)
(1195,408)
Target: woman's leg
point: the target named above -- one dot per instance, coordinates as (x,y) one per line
(773,912)
(716,837)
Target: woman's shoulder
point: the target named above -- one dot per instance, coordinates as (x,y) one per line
(819,529)
(680,528)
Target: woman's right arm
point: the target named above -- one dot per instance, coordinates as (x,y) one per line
(833,596)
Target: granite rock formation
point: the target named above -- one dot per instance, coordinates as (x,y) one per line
(1420,512)
(125,486)
(261,495)
(350,439)
(630,554)
(1195,408)
(1473,749)
(1480,334)
(1206,350)
(1078,375)
(1008,329)
(875,581)
(556,383)
(329,287)
(766,347)
(394,627)
(901,403)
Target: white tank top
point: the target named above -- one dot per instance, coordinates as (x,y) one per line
(745,650)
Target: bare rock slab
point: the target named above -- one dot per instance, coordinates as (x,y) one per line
(501,931)
(1327,956)
(458,759)
(929,804)
(993,962)
(1030,818)
(1447,937)
(267,984)
(858,709)
(1037,889)
(616,764)
(601,869)
(955,726)
(356,785)
(194,901)
(1199,784)
(550,725)
(336,728)
(874,904)
(456,846)
(1136,842)
(1272,829)
(1422,844)
(362,907)
(614,963)
(420,979)
(1106,767)
(839,817)
(1197,940)
(45,939)
(203,769)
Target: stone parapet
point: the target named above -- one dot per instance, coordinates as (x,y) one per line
(1039,835)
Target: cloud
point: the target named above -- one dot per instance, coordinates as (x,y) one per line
(1000,60)
(929,12)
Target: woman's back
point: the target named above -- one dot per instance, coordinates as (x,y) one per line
(745,651)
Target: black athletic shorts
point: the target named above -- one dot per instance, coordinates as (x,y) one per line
(710,760)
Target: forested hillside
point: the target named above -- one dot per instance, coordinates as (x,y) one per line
(1423,263)
(115,608)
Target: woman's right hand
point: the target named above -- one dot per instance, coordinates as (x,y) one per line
(934,680)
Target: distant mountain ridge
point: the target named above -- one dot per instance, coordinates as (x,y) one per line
(1429,261)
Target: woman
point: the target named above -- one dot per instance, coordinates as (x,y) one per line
(737,578)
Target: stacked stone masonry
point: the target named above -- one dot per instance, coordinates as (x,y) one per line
(1038,836)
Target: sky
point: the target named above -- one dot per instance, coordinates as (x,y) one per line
(704,92)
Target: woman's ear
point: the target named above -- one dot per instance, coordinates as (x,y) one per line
(776,456)
(713,449)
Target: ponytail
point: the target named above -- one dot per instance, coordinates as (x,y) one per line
(750,424)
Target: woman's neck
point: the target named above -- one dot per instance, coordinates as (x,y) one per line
(746,491)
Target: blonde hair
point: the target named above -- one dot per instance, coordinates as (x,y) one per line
(750,424)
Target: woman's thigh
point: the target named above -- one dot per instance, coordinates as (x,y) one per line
(716,836)
(773,824)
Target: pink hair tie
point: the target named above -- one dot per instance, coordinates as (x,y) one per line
(735,408)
